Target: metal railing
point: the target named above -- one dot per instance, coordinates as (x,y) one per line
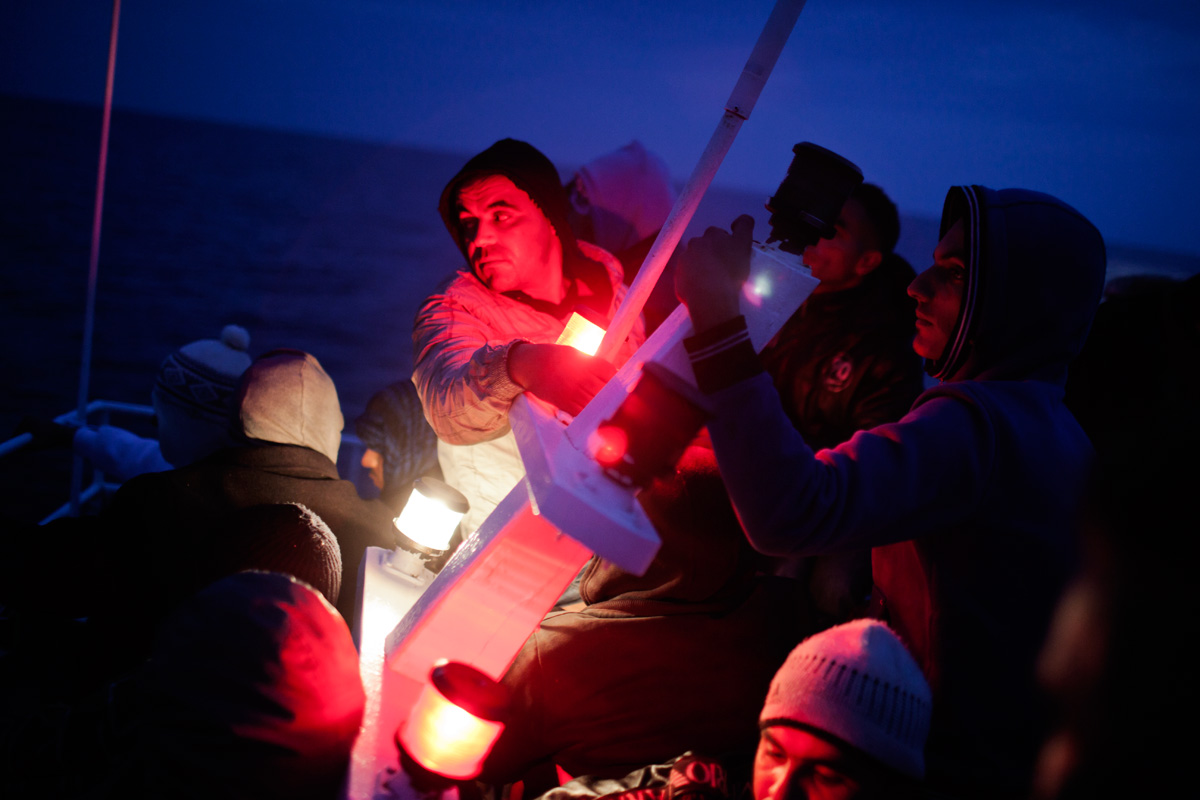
(99,412)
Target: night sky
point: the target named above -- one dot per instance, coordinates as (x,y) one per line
(1096,101)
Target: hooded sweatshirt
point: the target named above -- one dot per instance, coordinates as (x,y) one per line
(969,500)
(622,199)
(678,658)
(166,533)
(463,333)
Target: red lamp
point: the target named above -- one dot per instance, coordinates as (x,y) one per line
(456,720)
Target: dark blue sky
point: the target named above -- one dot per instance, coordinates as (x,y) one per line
(1097,102)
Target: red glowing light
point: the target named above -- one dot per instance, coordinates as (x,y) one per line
(609,445)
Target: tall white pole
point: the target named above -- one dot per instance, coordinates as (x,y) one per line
(89,317)
(737,110)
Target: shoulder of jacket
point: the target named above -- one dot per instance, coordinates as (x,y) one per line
(616,273)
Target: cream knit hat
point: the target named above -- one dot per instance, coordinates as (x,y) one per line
(858,682)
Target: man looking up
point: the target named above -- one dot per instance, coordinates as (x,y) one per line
(844,362)
(489,332)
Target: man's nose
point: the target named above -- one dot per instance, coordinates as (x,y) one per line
(483,234)
(917,290)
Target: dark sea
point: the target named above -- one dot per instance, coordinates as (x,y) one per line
(315,243)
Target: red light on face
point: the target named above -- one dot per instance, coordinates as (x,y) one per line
(609,444)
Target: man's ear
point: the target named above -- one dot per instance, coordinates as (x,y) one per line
(867,262)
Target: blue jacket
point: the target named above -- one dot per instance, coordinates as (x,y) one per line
(969,500)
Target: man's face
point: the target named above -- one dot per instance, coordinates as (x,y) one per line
(843,261)
(939,293)
(372,462)
(793,764)
(510,243)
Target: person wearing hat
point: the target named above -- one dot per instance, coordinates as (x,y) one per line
(166,526)
(399,444)
(192,397)
(488,333)
(288,423)
(846,716)
(252,691)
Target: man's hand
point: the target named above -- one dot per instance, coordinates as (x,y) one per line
(712,271)
(559,374)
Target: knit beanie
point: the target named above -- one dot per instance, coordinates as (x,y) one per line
(858,682)
(531,172)
(287,398)
(394,426)
(287,538)
(253,691)
(203,376)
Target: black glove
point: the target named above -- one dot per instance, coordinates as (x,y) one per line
(47,434)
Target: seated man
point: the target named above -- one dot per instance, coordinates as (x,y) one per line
(253,692)
(400,445)
(846,718)
(676,659)
(192,396)
(968,501)
(289,424)
(489,332)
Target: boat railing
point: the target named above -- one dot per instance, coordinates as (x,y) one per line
(101,412)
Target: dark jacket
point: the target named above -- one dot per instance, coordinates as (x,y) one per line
(844,361)
(679,658)
(166,518)
(968,501)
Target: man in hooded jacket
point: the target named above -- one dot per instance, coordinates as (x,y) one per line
(968,501)
(489,332)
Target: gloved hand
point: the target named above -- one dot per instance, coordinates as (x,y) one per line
(559,374)
(712,271)
(47,434)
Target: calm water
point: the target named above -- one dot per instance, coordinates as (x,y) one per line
(321,244)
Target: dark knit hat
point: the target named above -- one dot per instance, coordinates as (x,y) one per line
(253,691)
(394,426)
(203,375)
(287,538)
(531,172)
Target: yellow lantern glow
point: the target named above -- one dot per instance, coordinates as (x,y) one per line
(431,514)
(455,722)
(582,334)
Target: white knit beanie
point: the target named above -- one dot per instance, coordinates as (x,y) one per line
(858,682)
(204,375)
